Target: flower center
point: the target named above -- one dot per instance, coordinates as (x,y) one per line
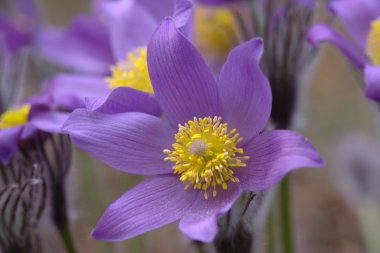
(205,154)
(132,72)
(373,42)
(15,117)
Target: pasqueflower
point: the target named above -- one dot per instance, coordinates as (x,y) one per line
(109,49)
(361,19)
(204,155)
(18,31)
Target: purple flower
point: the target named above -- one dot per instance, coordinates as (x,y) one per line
(361,19)
(18,31)
(208,151)
(113,39)
(22,122)
(14,35)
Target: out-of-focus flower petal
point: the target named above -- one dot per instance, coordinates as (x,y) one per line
(245,92)
(372,82)
(273,154)
(13,39)
(184,17)
(124,99)
(69,91)
(151,204)
(130,26)
(357,16)
(9,139)
(199,222)
(183,84)
(29,8)
(131,142)
(51,122)
(158,9)
(320,33)
(83,47)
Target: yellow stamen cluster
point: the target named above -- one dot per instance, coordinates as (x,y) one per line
(15,117)
(132,72)
(373,42)
(205,154)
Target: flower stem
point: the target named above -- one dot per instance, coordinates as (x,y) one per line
(67,239)
(270,232)
(286,215)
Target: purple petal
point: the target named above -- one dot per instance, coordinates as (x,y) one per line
(14,38)
(84,46)
(125,99)
(184,17)
(51,122)
(69,91)
(9,139)
(159,9)
(273,154)
(132,142)
(199,222)
(30,9)
(183,84)
(151,204)
(372,82)
(245,92)
(320,33)
(130,26)
(357,16)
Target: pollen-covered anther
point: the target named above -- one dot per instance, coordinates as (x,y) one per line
(373,42)
(205,155)
(131,72)
(15,117)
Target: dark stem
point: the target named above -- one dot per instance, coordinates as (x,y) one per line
(284,101)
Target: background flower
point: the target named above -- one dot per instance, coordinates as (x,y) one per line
(358,25)
(119,28)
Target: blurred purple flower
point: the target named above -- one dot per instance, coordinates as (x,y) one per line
(360,18)
(14,35)
(18,31)
(23,122)
(217,152)
(113,39)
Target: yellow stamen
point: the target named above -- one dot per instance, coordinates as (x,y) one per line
(132,72)
(205,154)
(15,117)
(373,42)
